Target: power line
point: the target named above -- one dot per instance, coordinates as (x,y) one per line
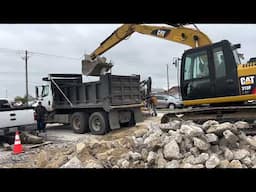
(52,55)
(30,82)
(11,50)
(34,72)
(16,51)
(26,62)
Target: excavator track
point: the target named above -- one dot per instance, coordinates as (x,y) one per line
(221,114)
(250,131)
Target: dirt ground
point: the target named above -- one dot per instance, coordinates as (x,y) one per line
(63,146)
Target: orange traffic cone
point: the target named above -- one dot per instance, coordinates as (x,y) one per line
(17,144)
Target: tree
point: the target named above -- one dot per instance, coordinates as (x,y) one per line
(20,99)
(30,98)
(23,99)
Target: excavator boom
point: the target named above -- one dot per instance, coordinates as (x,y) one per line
(179,34)
(118,35)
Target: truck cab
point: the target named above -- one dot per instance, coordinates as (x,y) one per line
(5,103)
(44,94)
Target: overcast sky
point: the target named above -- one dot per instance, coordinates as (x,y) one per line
(140,54)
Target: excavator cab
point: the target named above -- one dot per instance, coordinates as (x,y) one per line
(209,71)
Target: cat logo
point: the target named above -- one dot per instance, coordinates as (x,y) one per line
(161,32)
(247,80)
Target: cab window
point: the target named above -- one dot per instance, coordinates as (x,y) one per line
(45,91)
(237,59)
(219,62)
(4,104)
(160,97)
(196,66)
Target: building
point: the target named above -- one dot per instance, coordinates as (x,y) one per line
(174,91)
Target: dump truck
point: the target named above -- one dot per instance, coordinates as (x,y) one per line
(110,103)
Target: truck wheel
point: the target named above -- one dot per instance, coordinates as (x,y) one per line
(98,123)
(79,122)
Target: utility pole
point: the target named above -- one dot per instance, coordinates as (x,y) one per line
(167,78)
(6,93)
(26,71)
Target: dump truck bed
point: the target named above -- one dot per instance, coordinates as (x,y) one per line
(110,90)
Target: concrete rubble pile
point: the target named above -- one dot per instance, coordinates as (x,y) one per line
(178,144)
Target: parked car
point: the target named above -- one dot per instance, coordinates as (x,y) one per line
(168,101)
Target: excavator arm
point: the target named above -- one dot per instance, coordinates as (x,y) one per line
(179,34)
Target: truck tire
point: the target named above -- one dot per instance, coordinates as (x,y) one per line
(79,122)
(98,123)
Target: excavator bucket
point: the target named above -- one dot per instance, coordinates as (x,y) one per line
(95,67)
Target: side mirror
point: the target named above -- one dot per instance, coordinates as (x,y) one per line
(36,92)
(176,62)
(236,46)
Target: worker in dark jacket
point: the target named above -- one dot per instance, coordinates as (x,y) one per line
(40,117)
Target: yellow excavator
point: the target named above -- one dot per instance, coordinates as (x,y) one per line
(211,74)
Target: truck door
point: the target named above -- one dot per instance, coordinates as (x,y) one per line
(226,80)
(197,81)
(46,96)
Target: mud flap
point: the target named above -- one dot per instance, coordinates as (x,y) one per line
(114,119)
(138,117)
